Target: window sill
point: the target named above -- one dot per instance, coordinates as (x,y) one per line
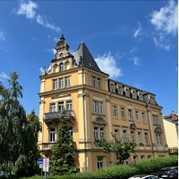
(98,114)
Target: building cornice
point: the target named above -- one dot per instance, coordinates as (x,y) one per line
(87,87)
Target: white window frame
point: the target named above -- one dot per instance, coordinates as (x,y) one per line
(97,106)
(67,81)
(61,67)
(61,83)
(52,109)
(69,105)
(52,135)
(115,110)
(61,106)
(99,162)
(98,133)
(55,84)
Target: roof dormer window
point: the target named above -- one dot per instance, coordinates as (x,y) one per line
(61,67)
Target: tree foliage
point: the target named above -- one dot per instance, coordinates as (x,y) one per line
(18,135)
(120,148)
(63,152)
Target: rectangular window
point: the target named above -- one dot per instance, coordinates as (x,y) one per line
(101,133)
(52,107)
(99,163)
(133,136)
(98,133)
(67,82)
(61,83)
(146,138)
(143,116)
(97,106)
(61,67)
(69,105)
(96,82)
(114,111)
(158,138)
(122,112)
(116,134)
(55,84)
(139,136)
(137,115)
(124,136)
(130,115)
(61,106)
(156,120)
(52,135)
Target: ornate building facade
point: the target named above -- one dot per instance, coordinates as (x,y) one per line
(98,108)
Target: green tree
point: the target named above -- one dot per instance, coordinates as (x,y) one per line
(18,136)
(123,150)
(62,160)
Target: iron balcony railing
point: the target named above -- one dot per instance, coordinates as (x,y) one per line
(56,116)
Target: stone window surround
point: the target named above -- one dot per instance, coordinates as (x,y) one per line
(66,65)
(52,135)
(58,101)
(96,82)
(99,162)
(57,80)
(100,100)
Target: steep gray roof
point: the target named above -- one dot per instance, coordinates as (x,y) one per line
(85,58)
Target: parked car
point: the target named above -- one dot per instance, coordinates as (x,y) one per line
(144,177)
(168,172)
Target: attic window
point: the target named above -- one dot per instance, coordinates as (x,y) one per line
(61,67)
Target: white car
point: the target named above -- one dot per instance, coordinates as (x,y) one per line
(144,177)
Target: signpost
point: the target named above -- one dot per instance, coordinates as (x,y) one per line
(45,166)
(40,163)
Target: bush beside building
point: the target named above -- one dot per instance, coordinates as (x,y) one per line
(123,171)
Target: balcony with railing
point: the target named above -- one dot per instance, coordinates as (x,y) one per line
(57,116)
(46,146)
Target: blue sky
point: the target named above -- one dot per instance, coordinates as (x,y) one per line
(133,41)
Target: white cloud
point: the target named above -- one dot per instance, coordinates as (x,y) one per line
(2,36)
(138,31)
(29,10)
(42,70)
(135,60)
(3,76)
(165,19)
(108,64)
(162,42)
(165,24)
(54,51)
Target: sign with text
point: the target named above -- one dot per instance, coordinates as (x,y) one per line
(45,164)
(40,162)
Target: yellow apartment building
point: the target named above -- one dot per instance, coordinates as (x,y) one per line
(171,132)
(98,107)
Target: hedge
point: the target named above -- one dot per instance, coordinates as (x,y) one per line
(123,171)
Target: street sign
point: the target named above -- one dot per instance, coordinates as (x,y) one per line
(40,162)
(45,164)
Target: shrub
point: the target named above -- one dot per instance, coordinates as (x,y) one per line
(123,171)
(153,165)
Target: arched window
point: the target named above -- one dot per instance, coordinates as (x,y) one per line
(61,67)
(66,65)
(158,138)
(55,68)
